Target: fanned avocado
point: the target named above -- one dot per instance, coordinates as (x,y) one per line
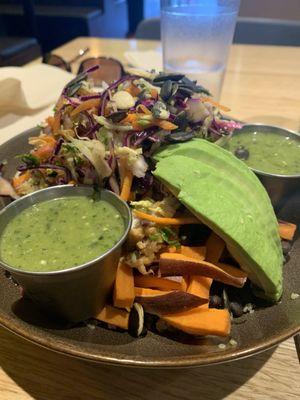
(224,193)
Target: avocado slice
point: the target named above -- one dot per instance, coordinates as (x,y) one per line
(226,195)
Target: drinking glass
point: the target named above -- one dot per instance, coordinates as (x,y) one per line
(196,38)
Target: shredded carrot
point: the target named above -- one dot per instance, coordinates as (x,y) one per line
(164,124)
(137,127)
(286,230)
(86,105)
(50,121)
(43,152)
(56,122)
(49,139)
(60,103)
(134,117)
(133,90)
(126,187)
(140,127)
(166,221)
(144,109)
(154,93)
(132,196)
(20,179)
(214,103)
(131,117)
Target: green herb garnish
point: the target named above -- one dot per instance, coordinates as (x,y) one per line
(170,237)
(29,159)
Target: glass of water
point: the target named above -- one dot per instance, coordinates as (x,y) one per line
(196,38)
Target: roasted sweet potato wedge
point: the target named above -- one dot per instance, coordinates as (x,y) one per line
(177,264)
(169,303)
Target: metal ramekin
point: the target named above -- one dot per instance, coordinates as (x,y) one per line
(77,293)
(279,187)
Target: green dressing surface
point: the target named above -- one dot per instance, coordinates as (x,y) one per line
(61,233)
(269,151)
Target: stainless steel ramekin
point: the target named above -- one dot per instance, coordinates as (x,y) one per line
(77,293)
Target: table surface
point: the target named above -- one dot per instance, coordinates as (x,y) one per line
(262,84)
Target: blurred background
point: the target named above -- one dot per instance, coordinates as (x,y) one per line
(29,28)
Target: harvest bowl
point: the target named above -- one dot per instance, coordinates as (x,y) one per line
(254,332)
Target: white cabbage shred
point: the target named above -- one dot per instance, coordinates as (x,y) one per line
(6,189)
(133,160)
(94,151)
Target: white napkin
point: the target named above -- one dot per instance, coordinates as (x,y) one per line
(147,60)
(27,96)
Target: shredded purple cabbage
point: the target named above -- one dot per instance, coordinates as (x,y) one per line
(62,181)
(225,125)
(24,167)
(71,100)
(90,96)
(140,137)
(89,129)
(89,132)
(56,150)
(143,185)
(58,146)
(112,161)
(113,183)
(89,118)
(180,103)
(92,132)
(127,138)
(91,69)
(79,78)
(154,139)
(87,174)
(148,103)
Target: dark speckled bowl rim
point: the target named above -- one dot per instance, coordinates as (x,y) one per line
(48,341)
(177,362)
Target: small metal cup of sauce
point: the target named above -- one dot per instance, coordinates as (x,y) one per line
(77,293)
(280,188)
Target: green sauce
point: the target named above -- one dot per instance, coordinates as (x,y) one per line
(269,151)
(61,233)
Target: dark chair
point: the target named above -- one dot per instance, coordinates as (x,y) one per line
(59,21)
(16,50)
(248,30)
(56,25)
(267,31)
(148,29)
